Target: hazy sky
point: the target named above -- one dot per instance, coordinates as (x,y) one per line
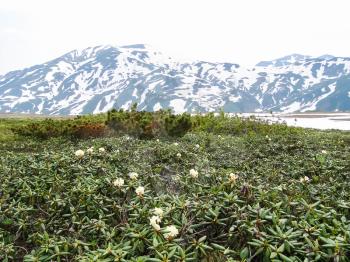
(239,31)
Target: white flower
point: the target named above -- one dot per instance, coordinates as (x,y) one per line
(324,152)
(219,136)
(158,212)
(157,140)
(119,182)
(79,153)
(233,177)
(197,146)
(101,150)
(140,191)
(172,232)
(154,222)
(304,179)
(90,150)
(176,144)
(133,175)
(194,173)
(178,155)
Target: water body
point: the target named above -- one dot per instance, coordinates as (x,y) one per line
(323,121)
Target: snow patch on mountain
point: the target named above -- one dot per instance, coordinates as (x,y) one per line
(96,79)
(178,105)
(311,106)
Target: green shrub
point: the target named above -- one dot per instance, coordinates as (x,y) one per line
(148,125)
(178,125)
(56,206)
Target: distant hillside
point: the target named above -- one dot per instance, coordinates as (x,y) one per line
(99,78)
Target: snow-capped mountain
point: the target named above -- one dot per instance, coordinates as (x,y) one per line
(99,78)
(284,61)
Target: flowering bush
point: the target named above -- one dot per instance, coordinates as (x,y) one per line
(237,198)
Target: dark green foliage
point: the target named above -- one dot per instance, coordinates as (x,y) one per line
(137,124)
(78,127)
(178,126)
(148,125)
(56,207)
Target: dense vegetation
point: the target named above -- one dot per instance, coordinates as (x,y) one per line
(143,125)
(158,187)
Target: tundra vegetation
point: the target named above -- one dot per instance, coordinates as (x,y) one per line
(141,186)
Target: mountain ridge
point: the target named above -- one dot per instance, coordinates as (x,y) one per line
(99,78)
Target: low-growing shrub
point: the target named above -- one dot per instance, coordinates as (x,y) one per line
(88,130)
(148,125)
(78,127)
(203,197)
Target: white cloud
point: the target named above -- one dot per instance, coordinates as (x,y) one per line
(241,31)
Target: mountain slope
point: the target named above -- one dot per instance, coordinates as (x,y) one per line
(97,79)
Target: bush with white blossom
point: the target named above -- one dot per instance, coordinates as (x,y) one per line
(201,198)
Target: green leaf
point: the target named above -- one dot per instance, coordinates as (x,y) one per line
(218,247)
(202,239)
(281,248)
(285,258)
(244,253)
(273,255)
(155,242)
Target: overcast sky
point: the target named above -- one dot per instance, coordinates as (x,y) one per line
(239,31)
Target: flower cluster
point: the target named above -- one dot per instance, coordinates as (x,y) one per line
(158,212)
(140,191)
(193,173)
(119,182)
(90,150)
(154,222)
(79,153)
(304,179)
(233,177)
(171,232)
(133,175)
(101,150)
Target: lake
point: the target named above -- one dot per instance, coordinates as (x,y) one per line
(324,121)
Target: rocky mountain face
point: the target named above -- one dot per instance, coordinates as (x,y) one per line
(97,79)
